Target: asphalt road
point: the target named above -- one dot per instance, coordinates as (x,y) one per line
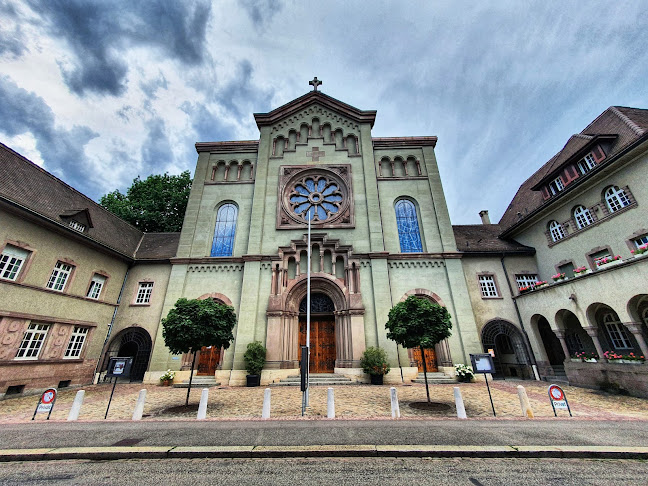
(341,471)
(322,432)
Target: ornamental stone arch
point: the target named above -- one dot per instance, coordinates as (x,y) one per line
(443,358)
(512,356)
(340,283)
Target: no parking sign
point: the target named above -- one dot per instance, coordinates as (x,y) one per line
(558,399)
(46,402)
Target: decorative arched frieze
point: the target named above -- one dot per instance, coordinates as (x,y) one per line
(217,296)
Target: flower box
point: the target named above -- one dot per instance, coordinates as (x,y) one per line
(575,360)
(608,262)
(579,271)
(591,360)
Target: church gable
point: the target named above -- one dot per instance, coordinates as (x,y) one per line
(319,123)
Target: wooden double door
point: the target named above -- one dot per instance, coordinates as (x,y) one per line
(208,360)
(430,359)
(322,359)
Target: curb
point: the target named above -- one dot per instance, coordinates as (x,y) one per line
(261,452)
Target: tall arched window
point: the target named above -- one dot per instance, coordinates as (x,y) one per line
(583,217)
(556,231)
(616,199)
(408,228)
(223,244)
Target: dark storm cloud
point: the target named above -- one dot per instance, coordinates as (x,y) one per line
(261,11)
(99,32)
(62,150)
(12,41)
(207,126)
(156,148)
(240,96)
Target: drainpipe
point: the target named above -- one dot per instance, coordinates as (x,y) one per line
(112,321)
(534,364)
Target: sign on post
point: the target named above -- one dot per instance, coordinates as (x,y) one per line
(558,399)
(46,403)
(303,365)
(117,368)
(483,363)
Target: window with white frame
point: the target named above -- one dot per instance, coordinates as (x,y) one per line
(586,164)
(642,240)
(556,186)
(556,231)
(76,342)
(618,336)
(32,341)
(487,285)
(11,261)
(616,199)
(96,285)
(144,293)
(583,217)
(75,225)
(525,280)
(60,276)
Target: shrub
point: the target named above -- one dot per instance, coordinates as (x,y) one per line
(255,357)
(374,361)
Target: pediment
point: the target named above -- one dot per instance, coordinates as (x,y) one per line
(314,101)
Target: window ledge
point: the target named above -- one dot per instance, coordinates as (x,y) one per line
(21,361)
(56,292)
(140,305)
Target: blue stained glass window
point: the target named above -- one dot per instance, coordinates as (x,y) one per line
(408,228)
(223,244)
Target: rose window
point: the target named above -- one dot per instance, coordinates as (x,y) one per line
(316,197)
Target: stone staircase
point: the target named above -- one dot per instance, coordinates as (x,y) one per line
(317,379)
(435,378)
(198,382)
(559,375)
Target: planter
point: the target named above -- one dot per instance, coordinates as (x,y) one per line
(583,273)
(642,255)
(166,383)
(376,379)
(610,264)
(591,360)
(626,361)
(253,380)
(575,360)
(464,379)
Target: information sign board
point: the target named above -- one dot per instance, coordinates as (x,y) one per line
(46,402)
(119,367)
(482,363)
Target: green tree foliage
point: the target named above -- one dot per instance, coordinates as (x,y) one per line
(194,323)
(418,322)
(255,357)
(156,204)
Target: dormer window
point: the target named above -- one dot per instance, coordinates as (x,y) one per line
(556,186)
(75,225)
(586,164)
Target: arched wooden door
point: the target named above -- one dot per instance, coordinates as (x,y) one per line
(430,359)
(322,345)
(208,360)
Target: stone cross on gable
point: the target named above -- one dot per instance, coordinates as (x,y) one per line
(315,154)
(315,83)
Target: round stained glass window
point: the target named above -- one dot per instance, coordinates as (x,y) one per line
(316,195)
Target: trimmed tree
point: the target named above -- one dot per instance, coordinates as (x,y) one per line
(417,322)
(194,323)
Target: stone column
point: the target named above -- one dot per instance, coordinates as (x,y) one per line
(635,329)
(560,334)
(592,331)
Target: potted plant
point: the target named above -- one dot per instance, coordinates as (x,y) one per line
(374,362)
(640,250)
(464,373)
(558,276)
(167,377)
(255,357)
(607,260)
(586,357)
(580,271)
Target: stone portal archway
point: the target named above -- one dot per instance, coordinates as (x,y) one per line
(511,355)
(283,323)
(134,342)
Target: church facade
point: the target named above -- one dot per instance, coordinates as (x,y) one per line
(78,285)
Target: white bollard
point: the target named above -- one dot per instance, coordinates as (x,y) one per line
(266,404)
(76,405)
(461,410)
(524,402)
(202,407)
(139,407)
(330,404)
(395,408)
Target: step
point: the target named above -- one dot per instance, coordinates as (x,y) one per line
(319,383)
(197,382)
(440,381)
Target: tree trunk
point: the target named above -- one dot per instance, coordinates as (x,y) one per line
(427,387)
(193,362)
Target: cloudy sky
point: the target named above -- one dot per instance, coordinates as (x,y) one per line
(98,92)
